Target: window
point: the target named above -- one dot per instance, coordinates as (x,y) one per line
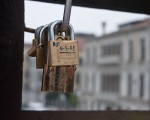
(142,43)
(117,49)
(103,85)
(27,86)
(130,50)
(141,86)
(80,61)
(94,55)
(103,51)
(129,84)
(110,83)
(93,82)
(27,74)
(87,55)
(116,83)
(78,78)
(87,82)
(112,49)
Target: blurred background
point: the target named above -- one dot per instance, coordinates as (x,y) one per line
(114,70)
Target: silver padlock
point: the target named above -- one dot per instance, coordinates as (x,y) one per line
(41,48)
(33,50)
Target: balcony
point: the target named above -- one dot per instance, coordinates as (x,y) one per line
(107,60)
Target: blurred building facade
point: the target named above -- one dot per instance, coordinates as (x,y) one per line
(115,70)
(32,79)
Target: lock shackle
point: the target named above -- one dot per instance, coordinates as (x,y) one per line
(40,35)
(37,30)
(51,30)
(69,32)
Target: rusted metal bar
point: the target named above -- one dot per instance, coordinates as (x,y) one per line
(66,17)
(30,30)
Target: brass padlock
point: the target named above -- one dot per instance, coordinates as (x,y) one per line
(63,52)
(32,51)
(49,73)
(60,78)
(41,48)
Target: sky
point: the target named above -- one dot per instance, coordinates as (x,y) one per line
(83,20)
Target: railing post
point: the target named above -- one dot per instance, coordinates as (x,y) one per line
(11,58)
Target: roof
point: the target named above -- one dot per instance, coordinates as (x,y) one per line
(135,6)
(135,23)
(128,27)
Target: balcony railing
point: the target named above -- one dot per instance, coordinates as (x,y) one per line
(114,59)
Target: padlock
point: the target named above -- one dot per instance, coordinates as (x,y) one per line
(60,78)
(32,51)
(41,48)
(48,74)
(63,52)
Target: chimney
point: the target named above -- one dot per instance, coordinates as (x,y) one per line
(103,28)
